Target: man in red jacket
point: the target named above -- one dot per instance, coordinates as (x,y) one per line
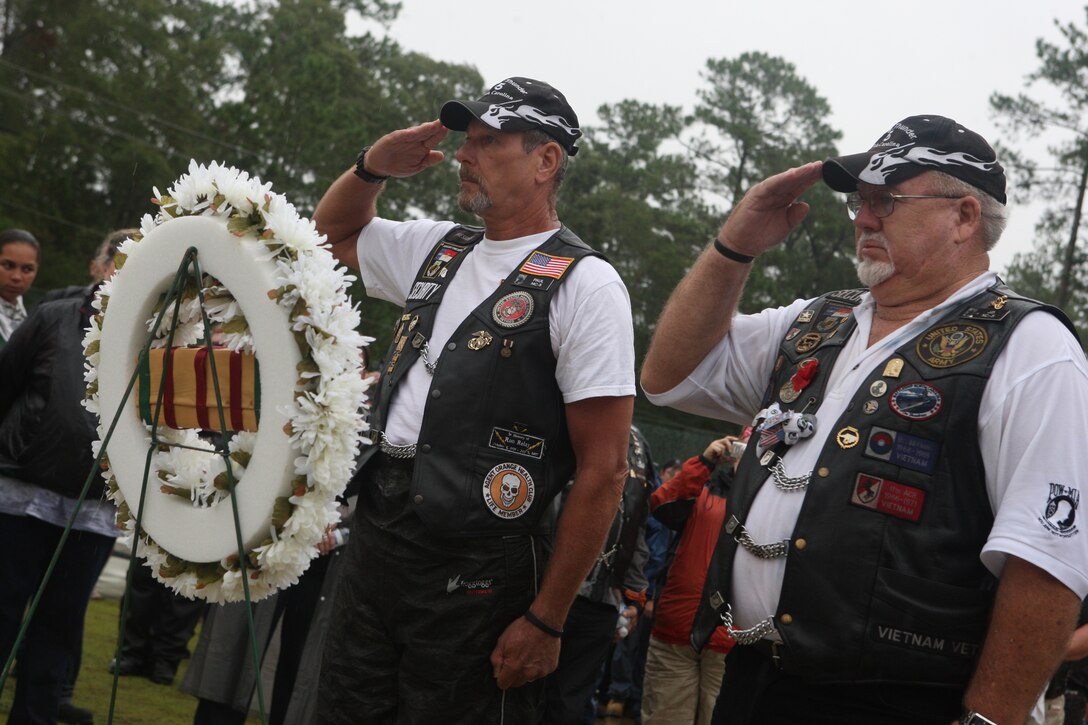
(681,686)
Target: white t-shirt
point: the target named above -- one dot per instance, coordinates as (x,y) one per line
(590,318)
(1032,419)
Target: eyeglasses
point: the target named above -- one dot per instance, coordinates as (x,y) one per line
(882,203)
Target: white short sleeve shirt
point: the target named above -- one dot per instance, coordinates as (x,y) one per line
(1032,414)
(590,319)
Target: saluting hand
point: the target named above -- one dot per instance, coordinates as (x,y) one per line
(408,151)
(769,211)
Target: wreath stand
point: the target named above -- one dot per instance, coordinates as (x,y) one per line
(189,268)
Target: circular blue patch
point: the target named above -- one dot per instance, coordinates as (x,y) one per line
(916,401)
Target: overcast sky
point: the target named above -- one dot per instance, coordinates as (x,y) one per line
(875,63)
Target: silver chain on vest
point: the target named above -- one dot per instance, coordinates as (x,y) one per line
(424,354)
(777,550)
(746,636)
(393,450)
(788,483)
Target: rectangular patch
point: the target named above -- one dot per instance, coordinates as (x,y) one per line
(532,282)
(902,449)
(545,265)
(888,497)
(516,442)
(423,290)
(986,313)
(441,258)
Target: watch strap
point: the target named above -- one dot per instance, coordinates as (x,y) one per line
(362,173)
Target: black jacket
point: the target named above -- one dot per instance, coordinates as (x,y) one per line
(45,433)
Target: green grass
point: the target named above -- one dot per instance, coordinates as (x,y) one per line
(139,701)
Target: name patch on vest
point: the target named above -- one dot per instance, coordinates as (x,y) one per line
(1060,515)
(508,490)
(902,449)
(888,497)
(950,345)
(423,290)
(528,280)
(513,441)
(923,641)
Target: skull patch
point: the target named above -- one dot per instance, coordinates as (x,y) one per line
(508,490)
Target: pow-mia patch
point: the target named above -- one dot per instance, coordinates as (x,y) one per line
(508,490)
(902,449)
(950,345)
(916,401)
(513,441)
(513,310)
(1060,515)
(442,257)
(888,497)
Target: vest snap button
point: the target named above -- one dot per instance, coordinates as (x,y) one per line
(824,472)
(786,619)
(800,544)
(426,448)
(451,346)
(436,393)
(418,498)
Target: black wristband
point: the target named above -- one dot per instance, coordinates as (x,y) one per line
(539,624)
(362,173)
(730,254)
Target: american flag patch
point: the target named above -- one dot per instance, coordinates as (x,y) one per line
(545,265)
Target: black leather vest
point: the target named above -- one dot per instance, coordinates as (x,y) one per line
(883,581)
(493,448)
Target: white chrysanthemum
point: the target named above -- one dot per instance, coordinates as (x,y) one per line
(325,417)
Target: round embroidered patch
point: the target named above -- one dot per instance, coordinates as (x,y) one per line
(508,490)
(809,341)
(916,401)
(949,345)
(513,310)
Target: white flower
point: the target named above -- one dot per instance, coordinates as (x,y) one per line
(325,414)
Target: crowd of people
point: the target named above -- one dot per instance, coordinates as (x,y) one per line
(890,535)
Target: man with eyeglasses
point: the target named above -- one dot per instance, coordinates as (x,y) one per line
(915,556)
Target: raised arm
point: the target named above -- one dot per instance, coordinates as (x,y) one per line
(350,203)
(701,308)
(1030,628)
(599,430)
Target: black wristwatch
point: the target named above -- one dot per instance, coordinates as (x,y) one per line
(362,173)
(970,717)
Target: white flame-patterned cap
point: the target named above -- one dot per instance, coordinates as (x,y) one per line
(518,104)
(917,144)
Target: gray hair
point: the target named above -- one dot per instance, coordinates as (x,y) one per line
(995,215)
(530,140)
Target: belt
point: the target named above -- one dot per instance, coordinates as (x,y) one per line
(779,655)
